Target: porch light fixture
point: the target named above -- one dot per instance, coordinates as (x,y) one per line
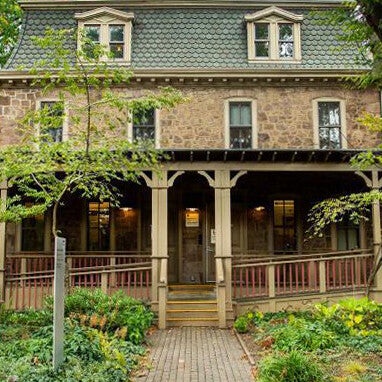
(126,209)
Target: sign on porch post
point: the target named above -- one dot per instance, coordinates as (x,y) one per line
(58,296)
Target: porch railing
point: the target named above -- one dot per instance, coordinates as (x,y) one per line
(282,275)
(29,276)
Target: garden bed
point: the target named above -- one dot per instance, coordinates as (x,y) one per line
(341,343)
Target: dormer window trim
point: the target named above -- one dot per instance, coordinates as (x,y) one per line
(274,18)
(104,18)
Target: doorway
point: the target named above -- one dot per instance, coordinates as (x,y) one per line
(191,231)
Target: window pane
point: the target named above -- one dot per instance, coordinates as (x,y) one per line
(32,233)
(261,49)
(117,50)
(92,32)
(98,226)
(284,225)
(286,49)
(240,114)
(261,31)
(329,114)
(285,32)
(116,33)
(335,139)
(240,138)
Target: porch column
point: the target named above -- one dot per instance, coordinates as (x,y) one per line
(376,218)
(222,186)
(3,195)
(159,228)
(375,183)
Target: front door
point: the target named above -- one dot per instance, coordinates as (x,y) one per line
(192,246)
(198,246)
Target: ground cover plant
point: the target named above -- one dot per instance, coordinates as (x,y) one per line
(103,339)
(339,343)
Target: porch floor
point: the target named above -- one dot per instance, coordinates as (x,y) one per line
(195,354)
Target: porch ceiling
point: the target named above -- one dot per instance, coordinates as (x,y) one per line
(261,155)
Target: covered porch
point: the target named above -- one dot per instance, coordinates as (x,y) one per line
(233,220)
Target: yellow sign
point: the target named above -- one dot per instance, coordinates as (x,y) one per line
(192,218)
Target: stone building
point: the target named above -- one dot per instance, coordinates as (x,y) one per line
(267,131)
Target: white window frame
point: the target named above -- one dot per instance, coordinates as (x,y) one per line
(254,143)
(104,17)
(130,133)
(65,132)
(274,16)
(343,130)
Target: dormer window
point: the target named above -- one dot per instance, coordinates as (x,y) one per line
(110,28)
(274,35)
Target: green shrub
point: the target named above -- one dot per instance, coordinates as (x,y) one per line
(241,324)
(116,313)
(353,316)
(102,337)
(291,367)
(300,334)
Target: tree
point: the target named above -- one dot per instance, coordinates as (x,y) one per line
(10,18)
(91,93)
(95,156)
(361,22)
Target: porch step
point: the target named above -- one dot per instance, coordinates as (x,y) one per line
(191,292)
(192,313)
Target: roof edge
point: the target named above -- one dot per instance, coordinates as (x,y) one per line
(216,73)
(78,4)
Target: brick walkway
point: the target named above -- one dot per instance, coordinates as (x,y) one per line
(193,354)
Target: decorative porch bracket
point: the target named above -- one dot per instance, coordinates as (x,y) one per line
(159,184)
(375,183)
(3,198)
(223,253)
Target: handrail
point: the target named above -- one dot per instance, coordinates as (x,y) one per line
(303,257)
(75,254)
(85,271)
(298,260)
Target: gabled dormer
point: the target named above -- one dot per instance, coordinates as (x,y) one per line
(274,35)
(109,27)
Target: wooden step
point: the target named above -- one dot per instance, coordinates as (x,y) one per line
(192,313)
(193,292)
(193,321)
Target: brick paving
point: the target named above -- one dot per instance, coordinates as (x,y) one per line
(195,354)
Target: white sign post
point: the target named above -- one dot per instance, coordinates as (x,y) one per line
(58,297)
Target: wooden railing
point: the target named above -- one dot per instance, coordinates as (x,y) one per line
(29,276)
(300,274)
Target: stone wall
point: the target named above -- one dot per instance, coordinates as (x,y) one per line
(284,114)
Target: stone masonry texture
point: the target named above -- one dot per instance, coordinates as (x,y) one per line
(284,114)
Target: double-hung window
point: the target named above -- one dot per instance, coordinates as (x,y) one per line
(51,122)
(329,124)
(144,125)
(274,35)
(107,27)
(240,125)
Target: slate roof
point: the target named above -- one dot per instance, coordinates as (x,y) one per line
(199,38)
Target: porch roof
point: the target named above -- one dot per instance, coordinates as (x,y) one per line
(261,155)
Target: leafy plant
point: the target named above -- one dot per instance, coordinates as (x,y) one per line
(291,367)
